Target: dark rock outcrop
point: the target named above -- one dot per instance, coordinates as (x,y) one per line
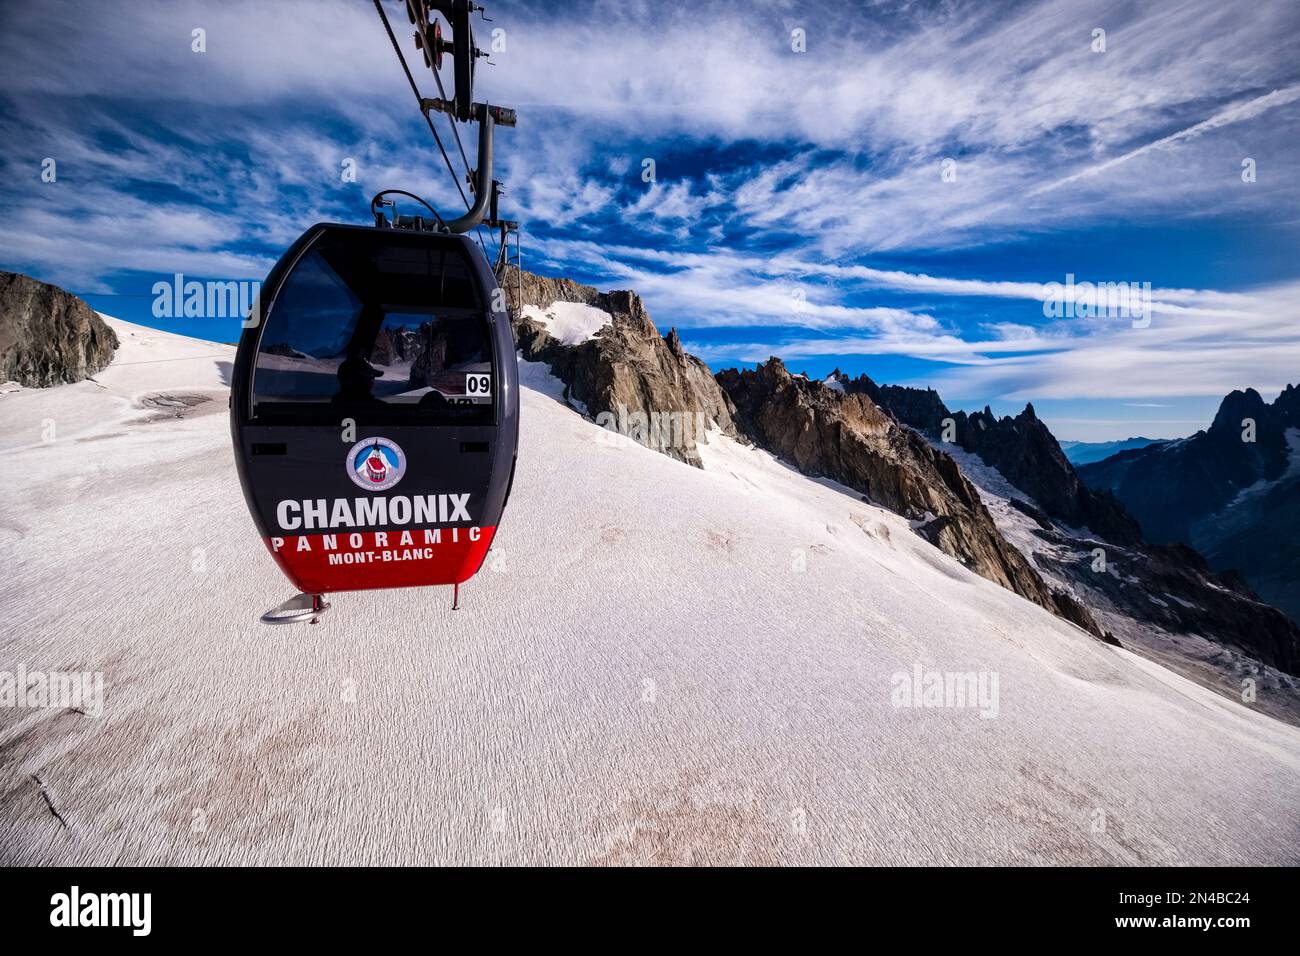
(845,436)
(1039,517)
(1258,537)
(628,376)
(48,336)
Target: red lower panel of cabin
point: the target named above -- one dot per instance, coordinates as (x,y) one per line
(363,560)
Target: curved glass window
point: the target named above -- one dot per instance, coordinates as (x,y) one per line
(377,325)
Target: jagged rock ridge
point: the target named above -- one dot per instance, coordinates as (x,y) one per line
(1021,448)
(1170,486)
(841,432)
(845,436)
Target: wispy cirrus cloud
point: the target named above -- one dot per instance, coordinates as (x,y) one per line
(1236,113)
(1198,342)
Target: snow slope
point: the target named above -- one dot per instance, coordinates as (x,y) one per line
(659,665)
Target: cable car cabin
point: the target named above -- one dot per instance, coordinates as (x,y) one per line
(375,409)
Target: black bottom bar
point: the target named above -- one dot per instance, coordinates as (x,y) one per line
(1227,906)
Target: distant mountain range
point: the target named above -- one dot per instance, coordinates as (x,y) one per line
(1149,592)
(1083,452)
(1232,491)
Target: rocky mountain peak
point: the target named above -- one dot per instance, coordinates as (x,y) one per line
(858,434)
(1169,588)
(918,408)
(1025,451)
(674,343)
(1225,491)
(1236,406)
(628,376)
(1287,406)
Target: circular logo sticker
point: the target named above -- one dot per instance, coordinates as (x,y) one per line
(376,464)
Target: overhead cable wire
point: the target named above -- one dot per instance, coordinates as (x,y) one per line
(392,38)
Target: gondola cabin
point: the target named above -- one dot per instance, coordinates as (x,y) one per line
(375,409)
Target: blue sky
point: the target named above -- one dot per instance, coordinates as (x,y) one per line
(799,206)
